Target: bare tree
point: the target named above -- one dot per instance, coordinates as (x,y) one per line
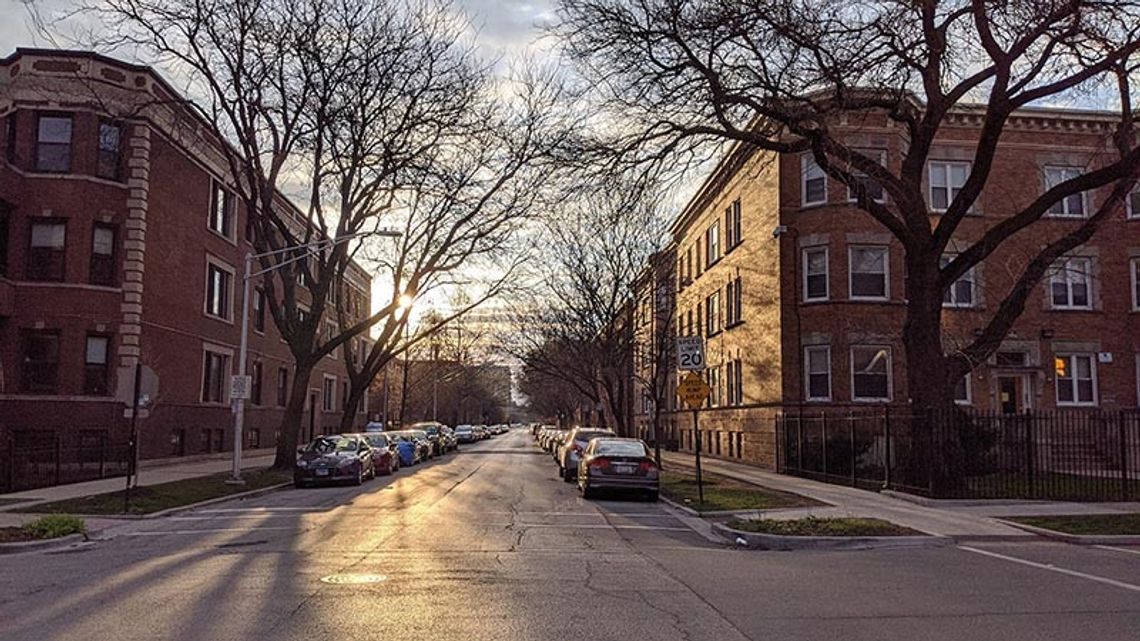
(781,75)
(577,327)
(378,117)
(655,336)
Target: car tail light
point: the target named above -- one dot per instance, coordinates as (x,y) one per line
(600,463)
(647,467)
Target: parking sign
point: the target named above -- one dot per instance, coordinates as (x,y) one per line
(690,353)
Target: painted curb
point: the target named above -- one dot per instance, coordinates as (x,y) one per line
(1077,539)
(183,508)
(47,544)
(779,542)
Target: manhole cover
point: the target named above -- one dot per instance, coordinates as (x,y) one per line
(353,579)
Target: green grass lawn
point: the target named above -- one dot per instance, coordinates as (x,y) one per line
(812,526)
(726,494)
(155,498)
(1085,523)
(51,526)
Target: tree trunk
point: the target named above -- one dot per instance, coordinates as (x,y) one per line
(291,420)
(355,397)
(930,461)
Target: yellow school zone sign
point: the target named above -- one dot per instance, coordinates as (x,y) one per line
(693,390)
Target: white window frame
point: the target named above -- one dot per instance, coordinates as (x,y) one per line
(890,375)
(227,370)
(826,349)
(328,400)
(1061,274)
(1066,173)
(229,269)
(971,277)
(712,243)
(808,164)
(858,174)
(227,197)
(886,272)
(826,273)
(713,314)
(1134,270)
(1132,205)
(944,170)
(1070,357)
(969,400)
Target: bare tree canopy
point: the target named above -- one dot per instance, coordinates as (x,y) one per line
(780,76)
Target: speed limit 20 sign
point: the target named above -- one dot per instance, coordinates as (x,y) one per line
(690,353)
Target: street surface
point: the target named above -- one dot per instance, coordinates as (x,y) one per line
(488,545)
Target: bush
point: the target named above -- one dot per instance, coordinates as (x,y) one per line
(54,526)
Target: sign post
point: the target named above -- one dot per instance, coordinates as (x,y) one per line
(693,391)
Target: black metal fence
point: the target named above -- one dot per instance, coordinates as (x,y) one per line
(1059,455)
(48,459)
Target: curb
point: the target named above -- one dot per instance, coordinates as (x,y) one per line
(47,544)
(947,503)
(780,542)
(1078,539)
(182,508)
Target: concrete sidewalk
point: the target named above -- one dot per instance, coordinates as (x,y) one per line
(847,501)
(147,476)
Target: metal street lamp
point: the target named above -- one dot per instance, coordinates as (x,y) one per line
(243,386)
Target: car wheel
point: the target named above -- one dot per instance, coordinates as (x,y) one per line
(568,475)
(587,493)
(359,480)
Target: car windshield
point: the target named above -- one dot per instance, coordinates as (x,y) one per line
(463,429)
(619,448)
(586,435)
(330,444)
(377,440)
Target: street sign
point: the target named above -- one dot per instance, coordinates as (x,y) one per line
(239,386)
(693,390)
(690,353)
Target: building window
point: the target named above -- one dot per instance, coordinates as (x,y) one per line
(1011,359)
(5,215)
(732,230)
(1070,284)
(1136,284)
(110,145)
(1069,206)
(946,181)
(818,373)
(255,382)
(697,255)
(47,251)
(95,370)
(328,397)
(873,188)
(712,313)
(10,138)
(1132,206)
(218,287)
(732,303)
(252,439)
(330,334)
(870,373)
(815,274)
(730,383)
(961,292)
(869,273)
(39,361)
(102,255)
(813,182)
(712,242)
(1076,379)
(53,144)
(221,209)
(962,391)
(214,377)
(282,386)
(712,377)
(259,310)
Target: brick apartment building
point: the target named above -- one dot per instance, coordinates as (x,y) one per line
(654,379)
(120,241)
(800,295)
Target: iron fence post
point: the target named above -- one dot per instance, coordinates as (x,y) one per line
(823,444)
(800,443)
(57,457)
(1120,424)
(1030,456)
(887,445)
(102,455)
(851,425)
(11,463)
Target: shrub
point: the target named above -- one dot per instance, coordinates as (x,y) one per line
(54,526)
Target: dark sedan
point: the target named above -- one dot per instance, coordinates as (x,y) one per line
(618,464)
(330,459)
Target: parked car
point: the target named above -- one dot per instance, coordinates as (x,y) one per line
(373,426)
(481,432)
(328,459)
(432,432)
(570,452)
(385,454)
(466,434)
(618,464)
(427,448)
(554,439)
(406,447)
(450,443)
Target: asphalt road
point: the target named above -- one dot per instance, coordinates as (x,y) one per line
(488,545)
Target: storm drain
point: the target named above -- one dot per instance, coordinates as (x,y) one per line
(353,579)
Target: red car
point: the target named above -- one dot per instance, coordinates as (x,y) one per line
(385,459)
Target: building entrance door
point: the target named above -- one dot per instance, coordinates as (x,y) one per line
(1012,394)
